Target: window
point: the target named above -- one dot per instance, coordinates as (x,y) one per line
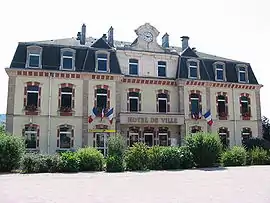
(133,101)
(195,129)
(163,136)
(162,102)
(162,69)
(244,106)
(65,137)
(67,60)
(246,135)
(30,134)
(34,55)
(102,62)
(133,136)
(34,60)
(195,106)
(133,66)
(101,99)
(221,106)
(224,136)
(32,98)
(242,74)
(66,98)
(193,69)
(220,72)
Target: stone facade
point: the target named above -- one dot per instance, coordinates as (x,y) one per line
(145,124)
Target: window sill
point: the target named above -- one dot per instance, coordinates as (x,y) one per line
(32,112)
(65,69)
(30,150)
(223,117)
(61,150)
(37,67)
(245,118)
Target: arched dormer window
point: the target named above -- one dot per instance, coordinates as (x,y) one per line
(220,72)
(68,59)
(34,56)
(193,68)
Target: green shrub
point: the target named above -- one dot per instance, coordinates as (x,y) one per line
(39,163)
(257,142)
(12,149)
(155,158)
(206,149)
(90,159)
(186,158)
(116,145)
(236,156)
(258,156)
(171,158)
(69,162)
(114,164)
(137,157)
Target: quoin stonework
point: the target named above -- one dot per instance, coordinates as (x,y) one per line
(69,93)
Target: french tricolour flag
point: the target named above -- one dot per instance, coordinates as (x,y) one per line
(208,118)
(109,115)
(93,115)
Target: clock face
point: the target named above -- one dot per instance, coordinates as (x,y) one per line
(147,36)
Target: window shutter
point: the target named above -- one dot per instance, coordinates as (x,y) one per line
(38,131)
(23,131)
(108,94)
(95,104)
(128,101)
(157,105)
(58,137)
(226,99)
(72,138)
(248,98)
(94,139)
(128,139)
(140,102)
(169,138)
(200,97)
(59,97)
(249,110)
(226,109)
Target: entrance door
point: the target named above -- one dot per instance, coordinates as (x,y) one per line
(163,139)
(148,139)
(101,142)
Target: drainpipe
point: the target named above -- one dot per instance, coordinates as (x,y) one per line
(49,112)
(234,116)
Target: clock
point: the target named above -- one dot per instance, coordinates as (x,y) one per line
(147,36)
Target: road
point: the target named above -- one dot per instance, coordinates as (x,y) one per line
(230,185)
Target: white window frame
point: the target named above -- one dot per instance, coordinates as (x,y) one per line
(31,132)
(137,98)
(102,59)
(66,93)
(32,91)
(70,57)
(191,66)
(167,137)
(132,63)
(163,66)
(103,94)
(240,71)
(223,69)
(33,51)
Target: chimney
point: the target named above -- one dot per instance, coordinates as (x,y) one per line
(110,37)
(185,42)
(83,35)
(194,49)
(104,37)
(165,40)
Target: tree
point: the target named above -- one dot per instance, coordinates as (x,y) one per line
(2,128)
(266,128)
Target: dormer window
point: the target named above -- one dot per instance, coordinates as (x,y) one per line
(219,71)
(102,62)
(68,59)
(242,73)
(34,54)
(161,69)
(193,69)
(133,67)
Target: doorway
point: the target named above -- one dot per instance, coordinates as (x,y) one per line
(102,142)
(148,139)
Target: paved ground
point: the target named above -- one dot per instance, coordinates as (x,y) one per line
(232,185)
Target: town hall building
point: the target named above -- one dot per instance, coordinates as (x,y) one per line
(69,93)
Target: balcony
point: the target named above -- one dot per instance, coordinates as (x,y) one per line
(151,118)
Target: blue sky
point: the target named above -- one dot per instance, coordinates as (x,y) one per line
(234,29)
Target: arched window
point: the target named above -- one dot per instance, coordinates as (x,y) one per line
(65,137)
(133,100)
(245,108)
(224,136)
(195,105)
(66,99)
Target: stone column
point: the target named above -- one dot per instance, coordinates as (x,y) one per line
(258,113)
(10,103)
(208,105)
(85,112)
